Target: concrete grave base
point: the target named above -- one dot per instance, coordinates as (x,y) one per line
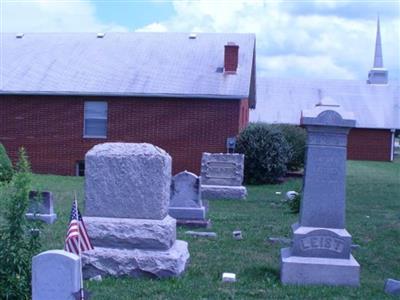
(131,233)
(320,242)
(47,218)
(223,192)
(137,262)
(318,271)
(187,213)
(194,223)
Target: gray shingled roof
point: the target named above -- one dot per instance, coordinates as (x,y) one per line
(145,64)
(282,100)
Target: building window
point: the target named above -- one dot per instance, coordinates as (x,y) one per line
(80,168)
(95,125)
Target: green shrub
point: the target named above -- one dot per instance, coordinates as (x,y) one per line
(296,137)
(266,153)
(19,240)
(6,169)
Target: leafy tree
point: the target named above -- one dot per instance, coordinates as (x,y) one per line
(19,239)
(6,168)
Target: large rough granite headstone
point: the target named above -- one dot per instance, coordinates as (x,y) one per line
(55,275)
(138,176)
(186,205)
(127,199)
(41,207)
(222,176)
(321,250)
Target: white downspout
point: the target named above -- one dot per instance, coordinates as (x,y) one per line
(392,145)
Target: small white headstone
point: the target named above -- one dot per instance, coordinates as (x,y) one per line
(55,275)
(228,277)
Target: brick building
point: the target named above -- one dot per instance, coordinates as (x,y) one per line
(376,109)
(63,93)
(375,104)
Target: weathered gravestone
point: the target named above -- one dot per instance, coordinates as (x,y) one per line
(55,275)
(392,287)
(186,205)
(321,252)
(222,176)
(127,190)
(41,207)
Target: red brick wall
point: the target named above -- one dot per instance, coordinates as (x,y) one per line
(369,144)
(51,128)
(244,114)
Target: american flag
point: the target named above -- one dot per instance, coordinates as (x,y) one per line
(77,234)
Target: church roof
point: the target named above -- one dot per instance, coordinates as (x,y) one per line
(282,100)
(125,64)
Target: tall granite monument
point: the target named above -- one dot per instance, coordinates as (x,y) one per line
(321,252)
(127,191)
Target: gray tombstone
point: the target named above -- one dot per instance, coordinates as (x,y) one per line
(127,190)
(41,207)
(222,176)
(392,287)
(186,204)
(321,250)
(55,275)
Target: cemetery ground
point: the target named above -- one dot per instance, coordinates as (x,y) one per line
(372,218)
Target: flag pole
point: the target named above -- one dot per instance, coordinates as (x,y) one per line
(79,248)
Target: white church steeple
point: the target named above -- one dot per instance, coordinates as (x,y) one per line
(378,74)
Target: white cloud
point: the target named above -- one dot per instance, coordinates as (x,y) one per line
(307,66)
(153,27)
(317,44)
(53,16)
(329,39)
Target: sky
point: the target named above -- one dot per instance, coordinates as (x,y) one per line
(308,39)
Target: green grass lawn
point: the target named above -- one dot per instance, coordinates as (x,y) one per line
(373,219)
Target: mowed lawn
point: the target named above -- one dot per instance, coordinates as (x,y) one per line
(373,219)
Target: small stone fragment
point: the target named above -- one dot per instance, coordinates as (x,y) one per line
(96,278)
(35,232)
(392,287)
(212,235)
(280,240)
(278,193)
(290,195)
(228,277)
(237,235)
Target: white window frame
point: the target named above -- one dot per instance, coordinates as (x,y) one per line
(96,118)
